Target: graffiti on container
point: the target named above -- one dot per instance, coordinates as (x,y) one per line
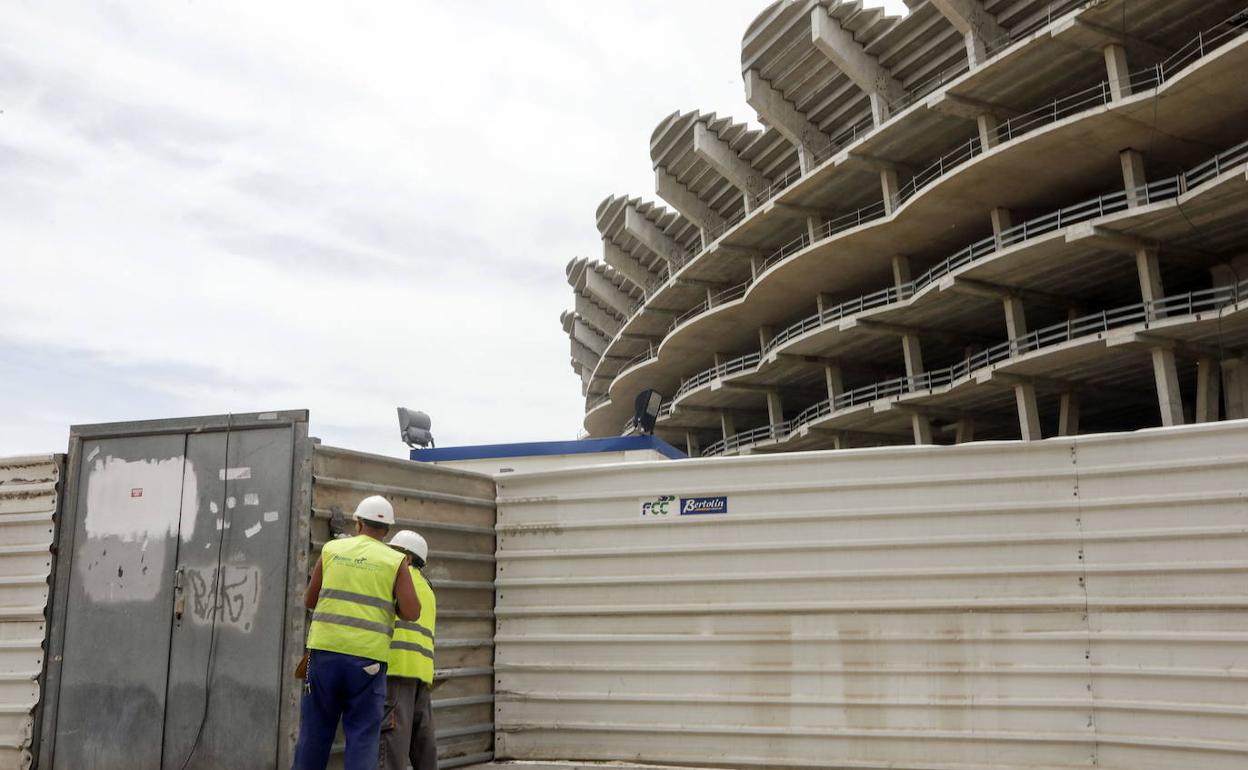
(234,605)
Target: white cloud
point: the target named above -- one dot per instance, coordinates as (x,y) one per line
(239,206)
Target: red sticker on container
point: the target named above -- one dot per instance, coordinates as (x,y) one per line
(136,492)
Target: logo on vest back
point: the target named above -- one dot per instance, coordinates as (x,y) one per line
(360,562)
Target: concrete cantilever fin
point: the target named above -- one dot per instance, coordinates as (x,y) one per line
(777,111)
(976,24)
(839,45)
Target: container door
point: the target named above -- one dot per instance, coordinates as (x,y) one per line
(119,603)
(226,646)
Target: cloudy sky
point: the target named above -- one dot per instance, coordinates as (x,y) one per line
(240,206)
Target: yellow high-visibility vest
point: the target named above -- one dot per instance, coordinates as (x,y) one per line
(411,649)
(354,614)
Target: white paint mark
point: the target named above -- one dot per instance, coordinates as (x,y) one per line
(212,506)
(251,498)
(271,516)
(127,535)
(221,523)
(231,501)
(234,474)
(253,530)
(267,416)
(94,452)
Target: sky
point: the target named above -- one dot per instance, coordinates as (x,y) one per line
(239,206)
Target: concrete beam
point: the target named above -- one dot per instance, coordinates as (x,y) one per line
(968,107)
(976,288)
(1110,240)
(977,26)
(654,239)
(608,294)
(839,45)
(717,154)
(606,323)
(589,337)
(584,356)
(780,114)
(626,265)
(686,202)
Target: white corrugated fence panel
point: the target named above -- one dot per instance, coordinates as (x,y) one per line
(1066,603)
(28,500)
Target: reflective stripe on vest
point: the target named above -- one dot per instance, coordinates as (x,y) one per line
(354,612)
(411,651)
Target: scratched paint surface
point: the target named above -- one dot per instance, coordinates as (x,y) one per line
(132,515)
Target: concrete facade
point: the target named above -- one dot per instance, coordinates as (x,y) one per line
(982,220)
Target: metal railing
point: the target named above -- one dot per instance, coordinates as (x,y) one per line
(1154,192)
(1204,43)
(1054,12)
(1143,313)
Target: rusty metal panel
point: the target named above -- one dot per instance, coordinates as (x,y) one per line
(29,500)
(455,512)
(1075,602)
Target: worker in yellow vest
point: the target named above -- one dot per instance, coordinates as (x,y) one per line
(355,588)
(407,728)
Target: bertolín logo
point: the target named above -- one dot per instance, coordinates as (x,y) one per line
(694,506)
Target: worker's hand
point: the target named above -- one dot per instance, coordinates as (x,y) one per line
(407,561)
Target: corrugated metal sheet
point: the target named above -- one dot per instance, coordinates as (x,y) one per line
(454,510)
(1067,603)
(28,501)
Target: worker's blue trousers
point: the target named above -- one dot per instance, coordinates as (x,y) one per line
(339,687)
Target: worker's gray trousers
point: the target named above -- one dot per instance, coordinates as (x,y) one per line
(407,726)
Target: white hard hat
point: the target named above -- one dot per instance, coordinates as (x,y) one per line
(377,509)
(411,542)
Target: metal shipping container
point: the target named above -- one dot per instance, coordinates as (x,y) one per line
(1075,602)
(177,613)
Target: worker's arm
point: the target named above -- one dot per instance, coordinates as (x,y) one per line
(405,593)
(313,591)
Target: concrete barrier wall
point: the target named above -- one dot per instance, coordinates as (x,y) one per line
(29,498)
(1067,603)
(454,511)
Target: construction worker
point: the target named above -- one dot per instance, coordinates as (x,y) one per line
(355,587)
(407,727)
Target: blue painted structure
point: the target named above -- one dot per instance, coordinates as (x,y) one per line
(546,448)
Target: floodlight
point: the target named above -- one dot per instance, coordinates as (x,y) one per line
(647,410)
(414,428)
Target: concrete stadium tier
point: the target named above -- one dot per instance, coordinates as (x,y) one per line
(979,220)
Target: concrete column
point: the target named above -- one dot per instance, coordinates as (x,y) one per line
(921,426)
(834,381)
(1117,71)
(839,45)
(1015,317)
(1024,392)
(1169,399)
(756,267)
(901,271)
(720,156)
(710,295)
(775,407)
(1235,387)
(693,447)
(780,113)
(913,352)
(1068,417)
(812,224)
(1149,270)
(824,302)
(765,335)
(965,432)
(1002,220)
(1208,389)
(727,424)
(1028,413)
(1133,176)
(686,202)
(890,188)
(988,124)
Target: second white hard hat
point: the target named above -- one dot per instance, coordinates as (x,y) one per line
(376,509)
(411,542)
